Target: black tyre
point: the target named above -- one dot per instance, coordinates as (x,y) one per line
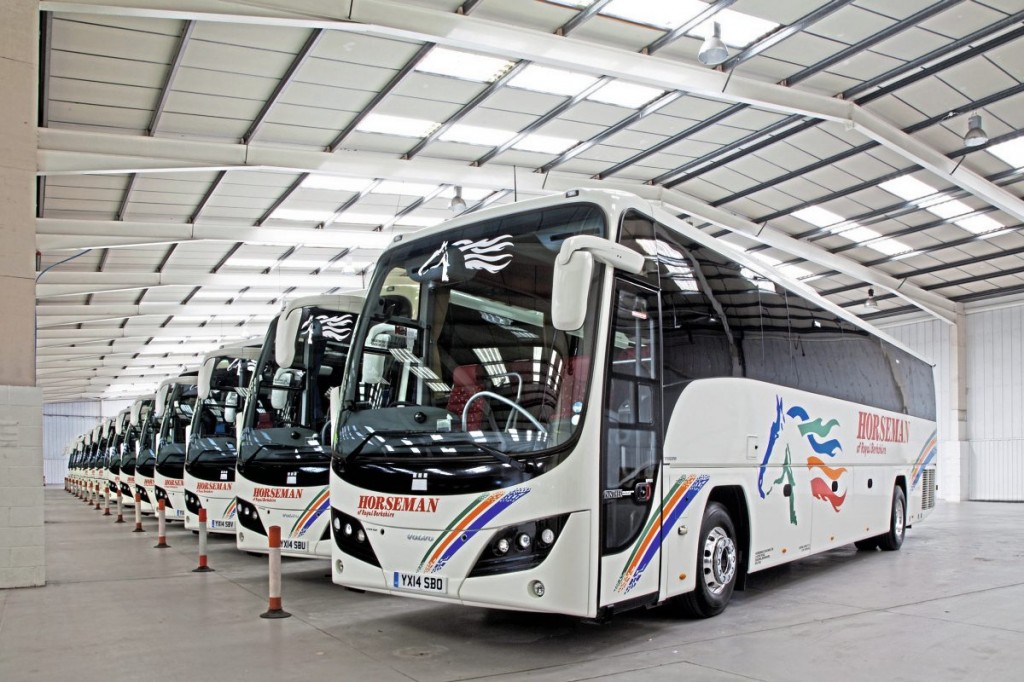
(717,565)
(893,540)
(867,544)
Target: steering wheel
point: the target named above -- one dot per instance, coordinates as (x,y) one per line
(500,398)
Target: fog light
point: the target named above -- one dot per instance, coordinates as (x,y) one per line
(241,537)
(523,541)
(337,523)
(547,536)
(502,546)
(537,588)
(361,536)
(339,566)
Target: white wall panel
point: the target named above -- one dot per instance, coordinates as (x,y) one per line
(62,423)
(995,402)
(995,397)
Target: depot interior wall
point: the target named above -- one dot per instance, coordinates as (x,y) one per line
(22,560)
(63,422)
(995,396)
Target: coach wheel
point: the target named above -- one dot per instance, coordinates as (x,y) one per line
(893,540)
(717,565)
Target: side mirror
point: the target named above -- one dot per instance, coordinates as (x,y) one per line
(570,287)
(574,266)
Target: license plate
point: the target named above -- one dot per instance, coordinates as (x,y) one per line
(419,583)
(226,525)
(179,513)
(295,545)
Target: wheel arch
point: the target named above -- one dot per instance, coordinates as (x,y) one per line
(734,500)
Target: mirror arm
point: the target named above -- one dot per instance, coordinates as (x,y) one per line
(603,251)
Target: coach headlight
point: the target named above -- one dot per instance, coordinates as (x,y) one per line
(520,547)
(352,539)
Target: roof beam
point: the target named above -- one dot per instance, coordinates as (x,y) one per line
(172,73)
(57,284)
(311,42)
(387,19)
(53,234)
(81,152)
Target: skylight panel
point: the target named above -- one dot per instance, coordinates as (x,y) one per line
(416,189)
(949,209)
(486,137)
(1012,152)
(419,221)
(889,246)
(335,183)
(302,215)
(665,14)
(364,218)
(545,144)
(464,65)
(623,94)
(552,81)
(396,125)
(817,216)
(873,240)
(907,188)
(738,29)
(860,234)
(979,224)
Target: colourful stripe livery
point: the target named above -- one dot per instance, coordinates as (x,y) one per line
(675,503)
(311,513)
(928,452)
(231,509)
(471,519)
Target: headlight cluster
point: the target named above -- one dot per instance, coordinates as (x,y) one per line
(249,517)
(161,494)
(192,502)
(143,495)
(350,537)
(519,547)
(125,490)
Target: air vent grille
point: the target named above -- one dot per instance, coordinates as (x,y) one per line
(928,489)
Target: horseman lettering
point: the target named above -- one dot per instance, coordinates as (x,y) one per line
(397,503)
(883,429)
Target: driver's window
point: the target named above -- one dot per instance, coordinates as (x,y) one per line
(631,405)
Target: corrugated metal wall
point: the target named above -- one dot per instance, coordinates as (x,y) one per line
(62,423)
(995,397)
(995,403)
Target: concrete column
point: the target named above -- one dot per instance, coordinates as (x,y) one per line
(22,561)
(954,447)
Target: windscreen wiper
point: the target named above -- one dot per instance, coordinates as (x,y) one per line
(401,433)
(500,456)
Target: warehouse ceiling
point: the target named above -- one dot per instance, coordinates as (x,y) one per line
(203,161)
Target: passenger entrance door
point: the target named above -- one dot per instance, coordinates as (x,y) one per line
(630,455)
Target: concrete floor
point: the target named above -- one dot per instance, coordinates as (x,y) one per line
(949,606)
